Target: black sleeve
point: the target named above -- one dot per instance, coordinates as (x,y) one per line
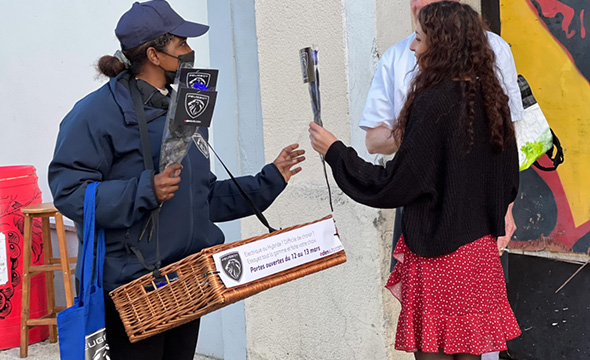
(410,175)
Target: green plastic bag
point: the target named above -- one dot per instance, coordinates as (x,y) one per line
(533,134)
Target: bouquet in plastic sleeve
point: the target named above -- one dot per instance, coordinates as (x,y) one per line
(310,71)
(311,76)
(191,106)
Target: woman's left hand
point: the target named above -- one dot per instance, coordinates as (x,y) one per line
(289,157)
(510,229)
(321,139)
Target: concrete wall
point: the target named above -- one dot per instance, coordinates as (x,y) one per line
(343,312)
(394,21)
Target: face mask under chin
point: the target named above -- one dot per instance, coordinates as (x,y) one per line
(170,76)
(185,60)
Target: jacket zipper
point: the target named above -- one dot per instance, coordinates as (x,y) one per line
(126,241)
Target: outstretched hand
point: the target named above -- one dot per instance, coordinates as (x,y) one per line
(166,183)
(289,157)
(321,139)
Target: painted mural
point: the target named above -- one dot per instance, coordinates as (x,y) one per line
(551,47)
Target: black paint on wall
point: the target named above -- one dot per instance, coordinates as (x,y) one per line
(583,245)
(554,326)
(535,209)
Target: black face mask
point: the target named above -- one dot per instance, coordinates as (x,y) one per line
(185,60)
(170,76)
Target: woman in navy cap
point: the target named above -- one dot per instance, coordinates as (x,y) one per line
(99,141)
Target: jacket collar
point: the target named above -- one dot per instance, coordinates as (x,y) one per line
(119,87)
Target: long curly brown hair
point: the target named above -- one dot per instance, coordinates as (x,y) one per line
(458,49)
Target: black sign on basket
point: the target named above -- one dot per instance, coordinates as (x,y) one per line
(194,107)
(232,265)
(190,77)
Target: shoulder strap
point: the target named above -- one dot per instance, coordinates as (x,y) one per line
(146,149)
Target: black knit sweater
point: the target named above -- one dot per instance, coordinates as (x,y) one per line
(451,196)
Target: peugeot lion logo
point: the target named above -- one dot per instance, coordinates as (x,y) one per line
(232,265)
(197,78)
(102,353)
(196,104)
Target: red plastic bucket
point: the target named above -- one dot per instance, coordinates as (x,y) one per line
(18,188)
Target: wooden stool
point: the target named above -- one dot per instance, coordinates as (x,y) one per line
(44,211)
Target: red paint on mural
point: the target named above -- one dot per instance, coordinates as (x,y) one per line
(551,8)
(583,29)
(534,9)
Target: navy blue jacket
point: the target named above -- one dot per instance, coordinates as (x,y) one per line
(99,141)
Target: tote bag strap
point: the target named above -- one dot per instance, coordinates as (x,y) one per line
(91,274)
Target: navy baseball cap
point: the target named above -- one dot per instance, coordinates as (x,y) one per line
(149,20)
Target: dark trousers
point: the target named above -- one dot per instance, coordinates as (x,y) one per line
(175,344)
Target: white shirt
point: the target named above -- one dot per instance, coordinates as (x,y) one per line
(397,68)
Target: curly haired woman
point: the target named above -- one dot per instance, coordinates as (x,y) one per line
(456,172)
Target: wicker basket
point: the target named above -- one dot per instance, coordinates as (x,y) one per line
(197,291)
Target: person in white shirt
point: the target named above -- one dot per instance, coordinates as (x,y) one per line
(395,72)
(391,83)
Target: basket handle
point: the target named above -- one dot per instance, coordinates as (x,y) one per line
(251,202)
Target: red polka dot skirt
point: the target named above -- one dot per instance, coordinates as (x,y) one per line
(455,302)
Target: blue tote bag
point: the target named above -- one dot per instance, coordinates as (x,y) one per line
(81,327)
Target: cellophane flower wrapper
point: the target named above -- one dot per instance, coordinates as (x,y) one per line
(176,139)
